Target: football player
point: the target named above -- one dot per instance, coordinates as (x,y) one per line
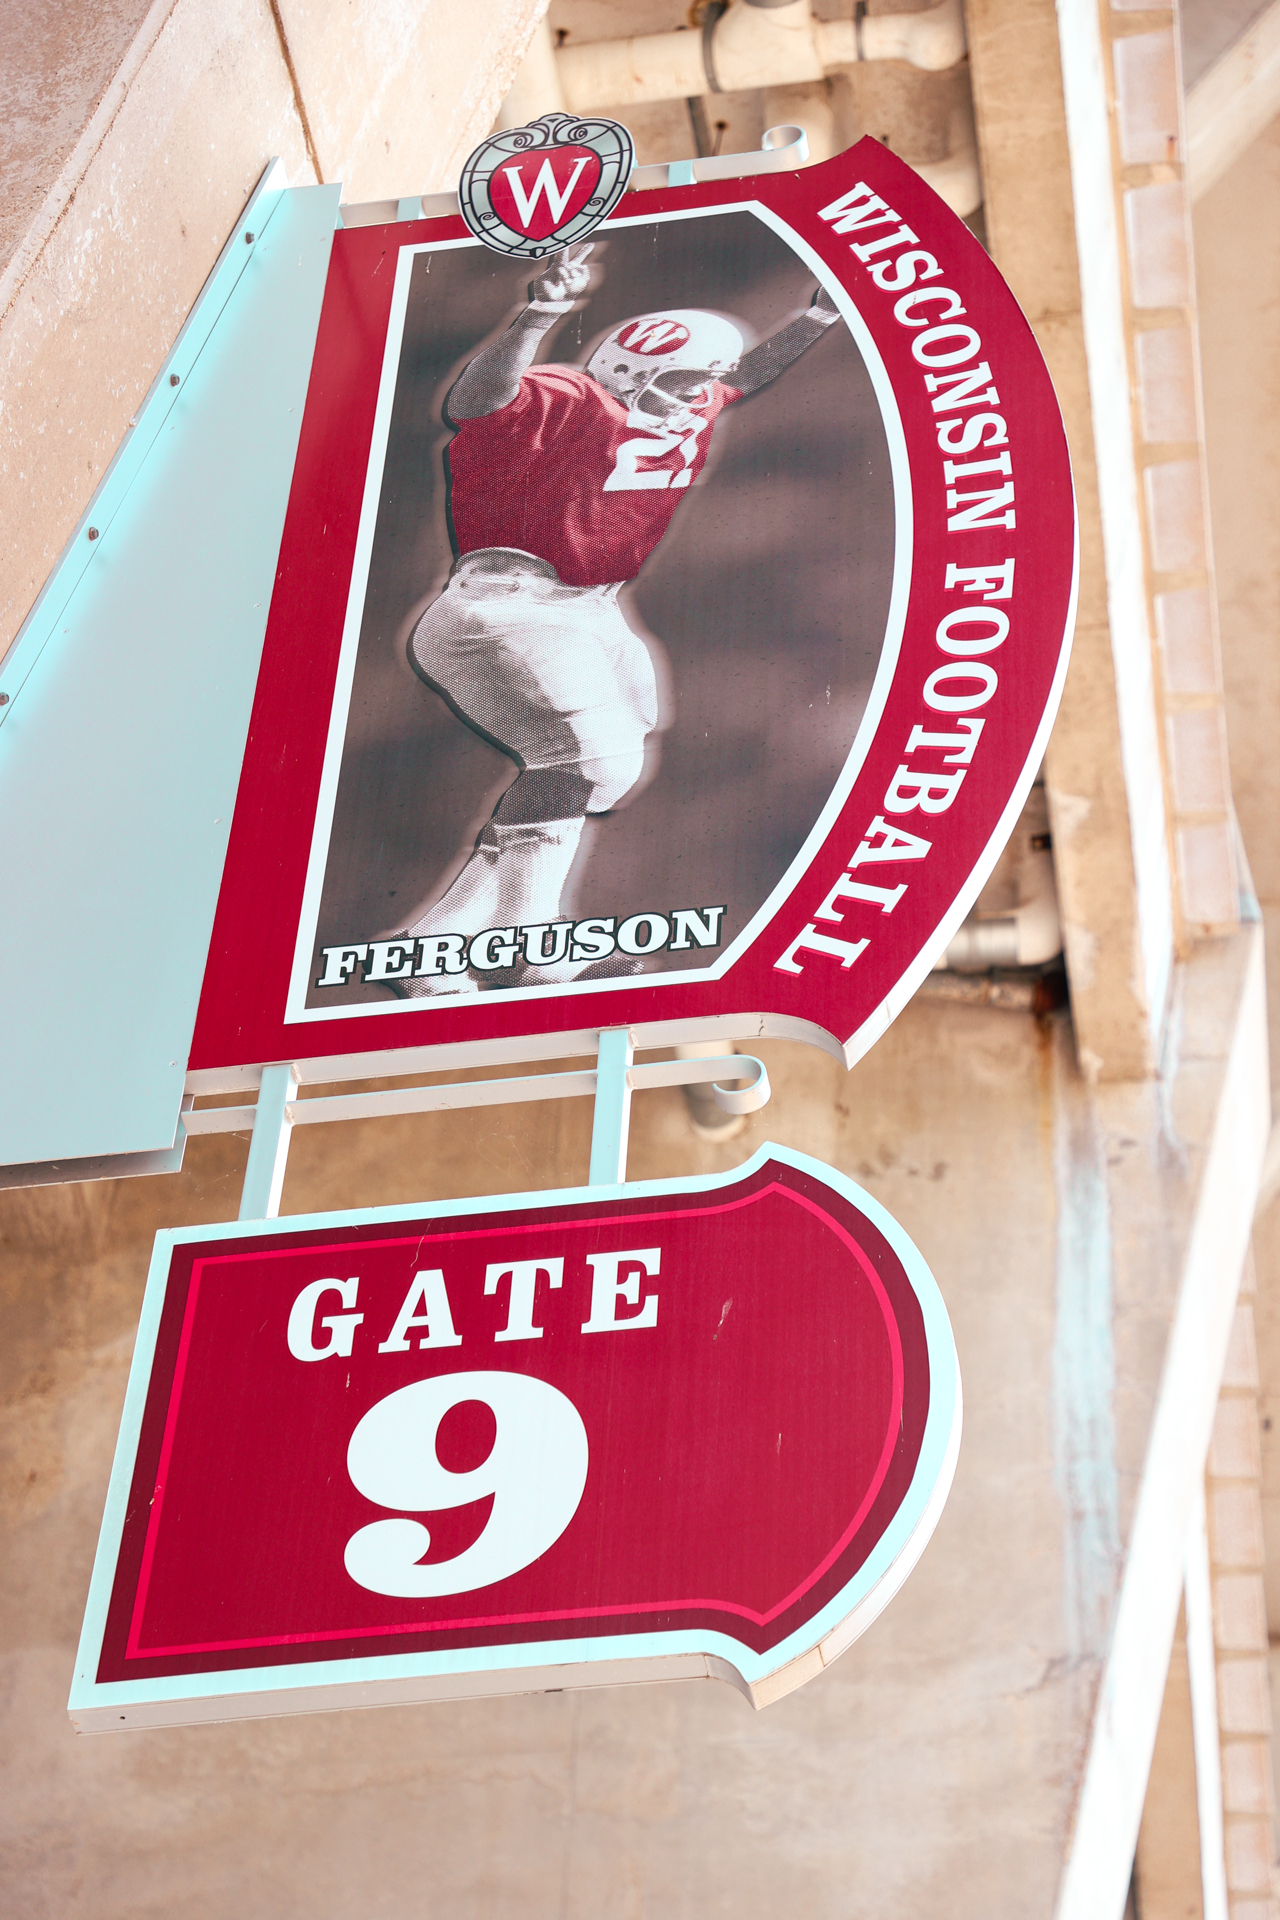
(563,481)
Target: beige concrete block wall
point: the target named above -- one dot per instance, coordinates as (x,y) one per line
(1233,1494)
(1028,208)
(1161,321)
(1141,725)
(57,61)
(170,141)
(1237,241)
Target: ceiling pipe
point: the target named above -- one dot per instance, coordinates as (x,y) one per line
(932,40)
(707,1119)
(752,43)
(792,48)
(957,179)
(1032,933)
(810,106)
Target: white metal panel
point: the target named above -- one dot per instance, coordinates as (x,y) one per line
(130,689)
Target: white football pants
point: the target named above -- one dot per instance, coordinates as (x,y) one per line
(552,674)
(555,676)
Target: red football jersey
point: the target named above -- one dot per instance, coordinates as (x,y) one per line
(564,471)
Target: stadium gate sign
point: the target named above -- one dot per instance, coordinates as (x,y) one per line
(662,603)
(688,1428)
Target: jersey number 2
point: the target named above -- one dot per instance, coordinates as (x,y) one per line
(627,476)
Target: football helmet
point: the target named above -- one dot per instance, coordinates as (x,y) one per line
(682,340)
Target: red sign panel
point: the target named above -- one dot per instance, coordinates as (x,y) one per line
(696,1427)
(669,640)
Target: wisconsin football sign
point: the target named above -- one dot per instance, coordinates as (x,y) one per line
(665,634)
(689,1428)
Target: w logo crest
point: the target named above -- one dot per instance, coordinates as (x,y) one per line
(542,191)
(653,336)
(531,190)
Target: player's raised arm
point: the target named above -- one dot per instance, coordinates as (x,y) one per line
(492,379)
(765,362)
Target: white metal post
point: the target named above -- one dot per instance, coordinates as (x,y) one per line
(269,1147)
(611,1121)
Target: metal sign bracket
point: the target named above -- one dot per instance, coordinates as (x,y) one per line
(611,1082)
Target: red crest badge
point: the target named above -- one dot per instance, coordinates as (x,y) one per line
(533,189)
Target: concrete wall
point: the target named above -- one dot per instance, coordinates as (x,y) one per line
(1238,264)
(932,1770)
(937,1768)
(1088,1240)
(1238,257)
(129,165)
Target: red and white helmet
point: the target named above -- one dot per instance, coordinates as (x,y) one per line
(655,343)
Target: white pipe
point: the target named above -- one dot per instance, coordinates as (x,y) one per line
(933,39)
(750,46)
(1026,938)
(624,73)
(755,46)
(957,178)
(1032,933)
(709,1117)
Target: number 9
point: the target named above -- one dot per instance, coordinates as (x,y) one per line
(535,1471)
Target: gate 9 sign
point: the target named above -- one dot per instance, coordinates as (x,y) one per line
(703,1427)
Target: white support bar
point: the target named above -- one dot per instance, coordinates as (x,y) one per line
(269,1148)
(781,150)
(389,1100)
(611,1081)
(456,1095)
(690,1073)
(612,1119)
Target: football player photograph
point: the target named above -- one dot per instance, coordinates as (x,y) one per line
(563,479)
(612,557)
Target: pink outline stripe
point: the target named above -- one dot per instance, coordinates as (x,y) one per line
(135,1651)
(132,1645)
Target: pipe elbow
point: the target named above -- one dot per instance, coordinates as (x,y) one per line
(1028,937)
(932,40)
(957,179)
(1039,926)
(755,45)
